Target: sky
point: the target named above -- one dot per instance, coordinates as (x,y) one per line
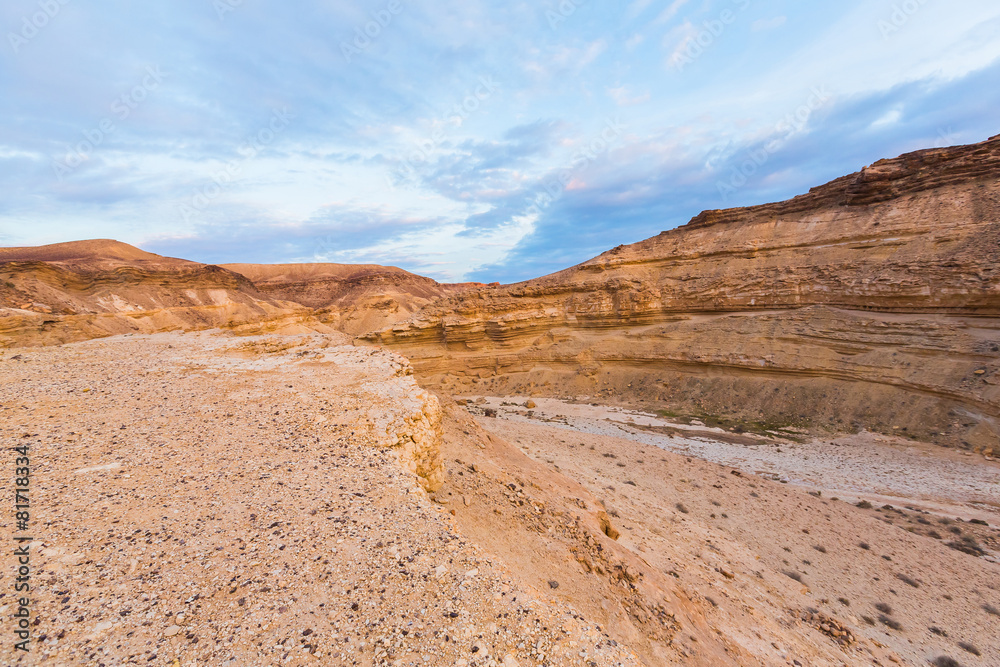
(471,140)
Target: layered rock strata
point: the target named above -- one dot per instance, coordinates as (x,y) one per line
(870,302)
(354,298)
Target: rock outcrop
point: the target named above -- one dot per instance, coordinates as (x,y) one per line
(87,289)
(870,302)
(353,298)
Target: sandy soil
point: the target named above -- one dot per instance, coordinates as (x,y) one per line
(853,467)
(200,499)
(762,555)
(206,499)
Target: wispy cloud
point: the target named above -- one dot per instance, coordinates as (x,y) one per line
(398,154)
(670,12)
(768,24)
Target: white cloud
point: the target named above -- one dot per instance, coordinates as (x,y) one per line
(936,42)
(890,118)
(444,253)
(624,98)
(636,8)
(768,24)
(593,52)
(670,12)
(680,37)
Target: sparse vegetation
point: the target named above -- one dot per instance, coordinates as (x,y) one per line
(938,631)
(844,601)
(907,580)
(793,575)
(969,648)
(865,505)
(890,623)
(864,545)
(820,548)
(681,508)
(945,661)
(884,608)
(990,609)
(970,547)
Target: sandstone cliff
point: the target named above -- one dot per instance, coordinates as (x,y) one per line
(870,302)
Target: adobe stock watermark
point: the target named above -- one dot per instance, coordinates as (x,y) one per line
(223,179)
(554,188)
(35,23)
(224,7)
(901,14)
(561,14)
(365,35)
(696,45)
(121,109)
(755,159)
(946,137)
(472,102)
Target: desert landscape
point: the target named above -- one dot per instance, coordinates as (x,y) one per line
(770,436)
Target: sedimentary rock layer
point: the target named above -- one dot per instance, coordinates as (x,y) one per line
(87,289)
(872,301)
(354,298)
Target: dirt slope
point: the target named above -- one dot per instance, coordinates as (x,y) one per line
(872,301)
(769,565)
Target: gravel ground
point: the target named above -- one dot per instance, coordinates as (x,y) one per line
(200,499)
(865,465)
(780,568)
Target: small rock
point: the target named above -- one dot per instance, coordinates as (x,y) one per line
(171,631)
(553,584)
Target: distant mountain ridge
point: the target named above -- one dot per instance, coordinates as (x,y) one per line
(83,289)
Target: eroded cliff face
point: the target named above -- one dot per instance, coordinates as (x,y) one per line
(870,302)
(88,289)
(353,298)
(79,290)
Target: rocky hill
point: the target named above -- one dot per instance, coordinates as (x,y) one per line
(353,298)
(87,289)
(871,302)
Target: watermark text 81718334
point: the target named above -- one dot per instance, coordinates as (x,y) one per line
(21,548)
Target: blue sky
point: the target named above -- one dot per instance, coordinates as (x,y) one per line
(467,140)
